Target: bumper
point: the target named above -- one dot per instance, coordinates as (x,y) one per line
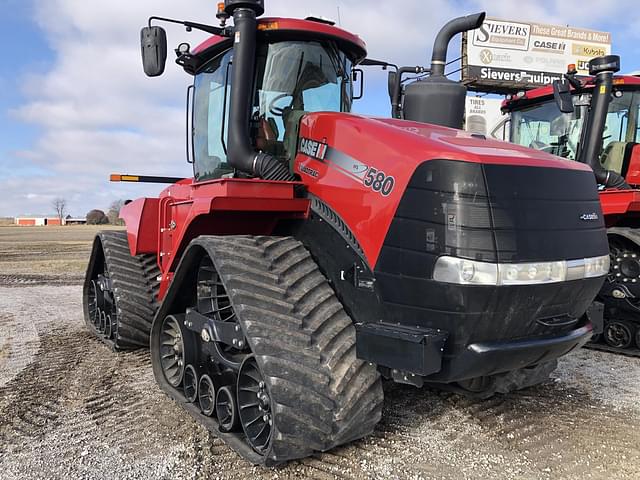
(489,358)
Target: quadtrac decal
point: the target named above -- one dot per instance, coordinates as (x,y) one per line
(370,177)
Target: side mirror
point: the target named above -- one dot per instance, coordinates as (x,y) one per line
(358,74)
(391,83)
(562,96)
(153,41)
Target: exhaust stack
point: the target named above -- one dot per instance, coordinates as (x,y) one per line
(437,99)
(590,148)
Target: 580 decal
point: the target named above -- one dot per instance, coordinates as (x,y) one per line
(378,181)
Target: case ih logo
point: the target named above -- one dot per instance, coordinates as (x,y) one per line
(498,34)
(313,149)
(589,217)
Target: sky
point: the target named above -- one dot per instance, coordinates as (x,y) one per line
(75,105)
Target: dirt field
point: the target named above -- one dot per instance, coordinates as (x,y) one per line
(52,255)
(70,408)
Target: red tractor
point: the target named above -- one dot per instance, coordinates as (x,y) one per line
(315,252)
(601,130)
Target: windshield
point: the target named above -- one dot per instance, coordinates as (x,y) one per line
(544,127)
(292,77)
(295,77)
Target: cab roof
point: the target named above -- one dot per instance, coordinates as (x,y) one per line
(273,27)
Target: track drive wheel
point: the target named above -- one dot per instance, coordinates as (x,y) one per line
(120,292)
(619,333)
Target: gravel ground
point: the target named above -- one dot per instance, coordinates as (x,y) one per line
(70,408)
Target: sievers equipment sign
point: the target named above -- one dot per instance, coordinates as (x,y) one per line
(504,55)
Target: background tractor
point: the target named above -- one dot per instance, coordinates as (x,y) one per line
(596,121)
(315,251)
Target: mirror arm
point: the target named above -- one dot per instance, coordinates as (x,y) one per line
(223,32)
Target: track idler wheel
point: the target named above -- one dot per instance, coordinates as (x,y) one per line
(254,404)
(177,348)
(190,383)
(619,334)
(226,409)
(207,395)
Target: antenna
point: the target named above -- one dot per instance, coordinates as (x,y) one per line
(339,19)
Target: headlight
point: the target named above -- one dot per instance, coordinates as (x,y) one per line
(471,272)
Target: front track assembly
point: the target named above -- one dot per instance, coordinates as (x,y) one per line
(263,353)
(120,292)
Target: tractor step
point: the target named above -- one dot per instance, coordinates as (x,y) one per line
(406,349)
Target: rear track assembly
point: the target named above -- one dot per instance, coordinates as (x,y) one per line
(120,292)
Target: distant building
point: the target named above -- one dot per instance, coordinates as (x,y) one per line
(69,220)
(38,221)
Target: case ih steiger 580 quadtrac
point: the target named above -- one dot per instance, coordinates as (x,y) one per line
(316,251)
(596,121)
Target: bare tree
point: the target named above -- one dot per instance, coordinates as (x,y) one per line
(114,212)
(60,205)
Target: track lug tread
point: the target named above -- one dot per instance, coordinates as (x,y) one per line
(323,395)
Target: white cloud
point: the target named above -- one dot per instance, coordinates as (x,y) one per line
(97,113)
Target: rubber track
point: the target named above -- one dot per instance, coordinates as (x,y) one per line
(135,286)
(603,347)
(303,341)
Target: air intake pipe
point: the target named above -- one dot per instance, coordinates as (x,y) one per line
(591,139)
(241,154)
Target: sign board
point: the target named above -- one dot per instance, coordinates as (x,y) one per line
(505,55)
(483,116)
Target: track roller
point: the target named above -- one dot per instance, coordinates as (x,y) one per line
(190,383)
(120,292)
(619,333)
(207,395)
(226,409)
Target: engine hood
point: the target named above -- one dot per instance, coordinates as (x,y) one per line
(361,168)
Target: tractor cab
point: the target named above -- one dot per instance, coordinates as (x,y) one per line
(293,77)
(541,125)
(295,67)
(539,121)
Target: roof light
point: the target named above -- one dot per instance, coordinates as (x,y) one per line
(268,26)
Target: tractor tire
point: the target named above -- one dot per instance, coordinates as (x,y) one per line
(313,393)
(128,287)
